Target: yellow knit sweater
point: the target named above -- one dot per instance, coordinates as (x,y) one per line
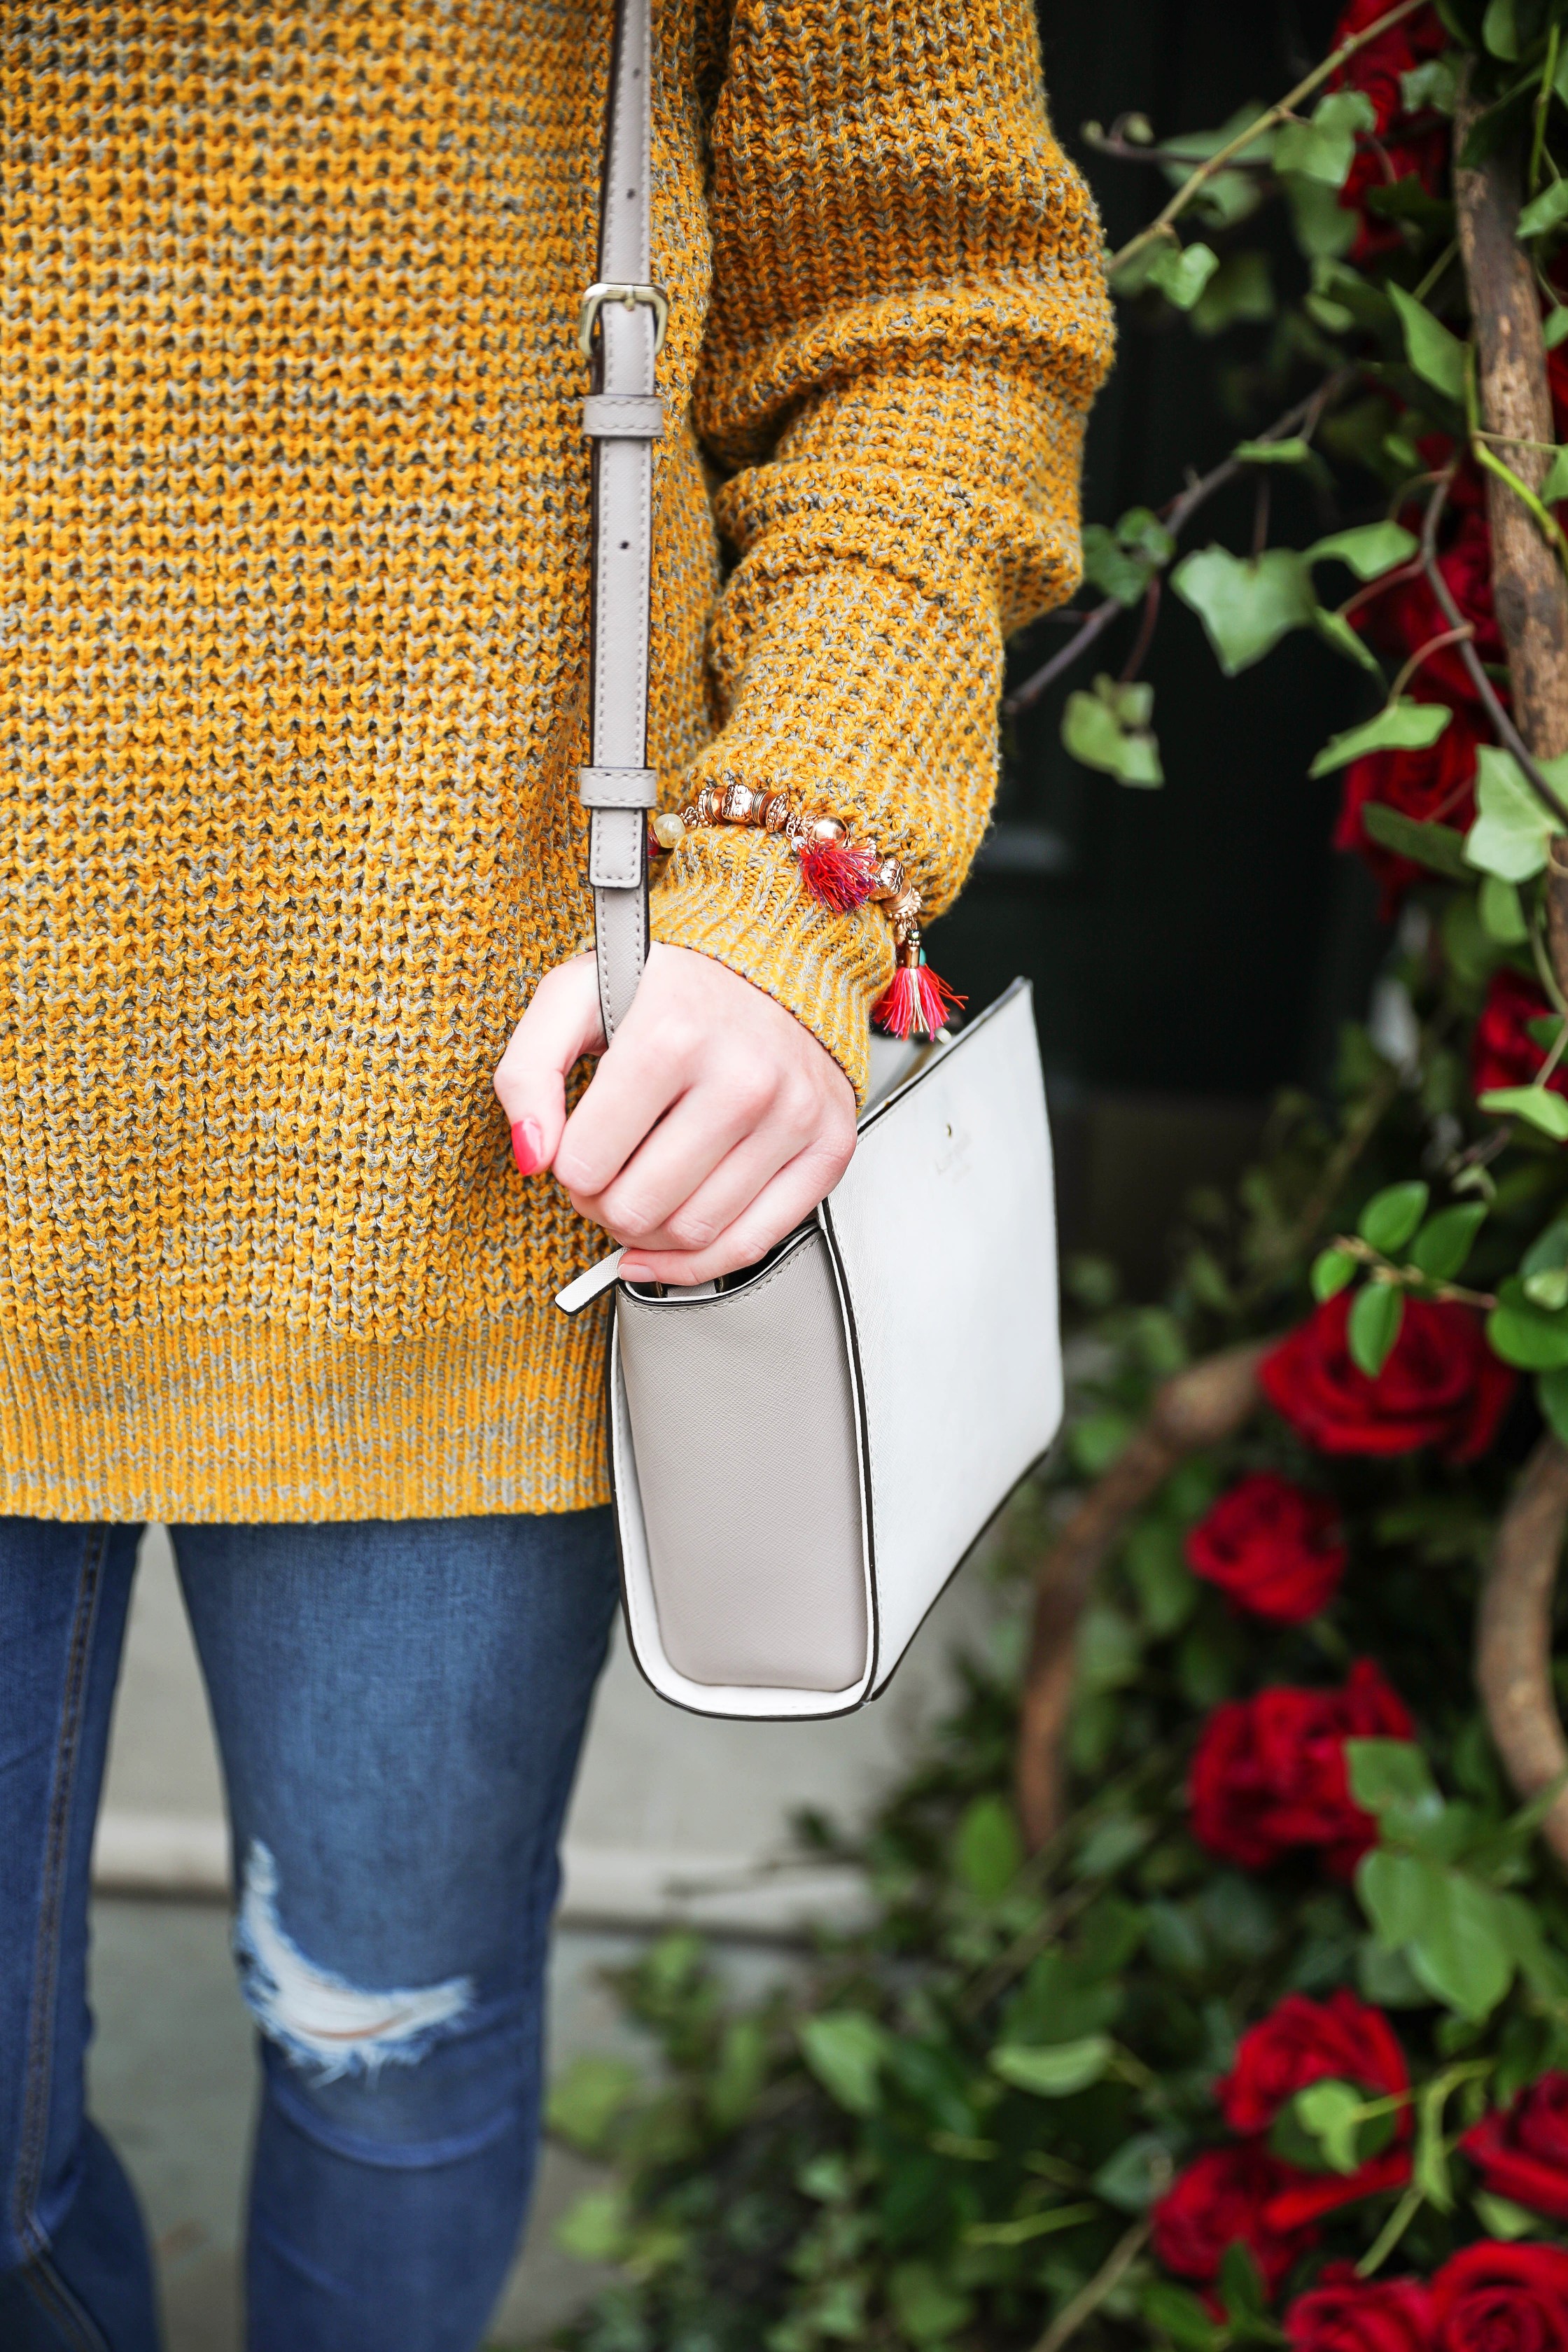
(293,542)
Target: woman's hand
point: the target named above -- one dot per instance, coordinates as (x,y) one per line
(714,1123)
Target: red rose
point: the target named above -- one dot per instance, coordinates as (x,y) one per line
(1301,2041)
(1496,2298)
(1271,1546)
(1402,146)
(1270,1772)
(1437,786)
(1346,2313)
(1339,2039)
(1407,616)
(1522,2152)
(1441,1385)
(1502,1051)
(1376,68)
(1220,2197)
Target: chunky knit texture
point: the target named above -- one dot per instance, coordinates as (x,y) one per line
(293,534)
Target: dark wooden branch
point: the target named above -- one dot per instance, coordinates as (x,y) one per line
(1514,1628)
(1196,1407)
(1513,1636)
(1528,587)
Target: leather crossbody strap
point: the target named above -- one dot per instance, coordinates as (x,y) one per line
(621,328)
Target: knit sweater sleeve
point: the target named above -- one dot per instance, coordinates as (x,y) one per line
(907,324)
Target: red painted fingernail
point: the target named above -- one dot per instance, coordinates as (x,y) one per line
(527,1147)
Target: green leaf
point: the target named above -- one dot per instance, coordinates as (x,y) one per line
(586,2098)
(1138,2173)
(988,1851)
(1548,211)
(1500,31)
(1511,829)
(1433,83)
(1444,1244)
(1325,148)
(741,2072)
(1376,1317)
(1502,912)
(1390,1216)
(1121,561)
(1331,1270)
(1177,2312)
(1367,549)
(595,2229)
(1458,1935)
(1549,1288)
(1463,1953)
(1246,604)
(1167,1589)
(1336,631)
(1526,1334)
(1539,1105)
(845,2049)
(1439,847)
(1554,488)
(1548,1250)
(1241,2287)
(1331,2112)
(1436,356)
(1180,272)
(927,2307)
(1387,1772)
(1502,2218)
(1043,2225)
(1057,2071)
(1404,726)
(1552,1396)
(1239,289)
(1109,730)
(1097,1439)
(1291,452)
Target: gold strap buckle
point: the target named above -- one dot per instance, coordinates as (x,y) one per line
(647,297)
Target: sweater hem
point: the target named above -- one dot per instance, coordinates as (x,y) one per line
(258,1422)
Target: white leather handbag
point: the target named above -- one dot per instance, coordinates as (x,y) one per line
(802,1454)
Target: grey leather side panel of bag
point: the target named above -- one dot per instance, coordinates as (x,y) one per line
(746,1601)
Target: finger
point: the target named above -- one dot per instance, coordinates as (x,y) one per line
(643,1072)
(691,1197)
(793,1192)
(561,1023)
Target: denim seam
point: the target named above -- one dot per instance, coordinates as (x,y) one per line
(54,2298)
(39,2063)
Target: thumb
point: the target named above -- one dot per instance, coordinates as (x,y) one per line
(561,1023)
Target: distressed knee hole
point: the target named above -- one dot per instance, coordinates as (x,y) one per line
(318,2018)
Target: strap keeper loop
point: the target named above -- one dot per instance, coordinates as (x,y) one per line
(618,788)
(622,417)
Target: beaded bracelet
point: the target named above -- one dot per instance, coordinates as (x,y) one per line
(842,875)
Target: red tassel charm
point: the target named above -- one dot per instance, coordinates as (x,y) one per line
(840,875)
(915,1002)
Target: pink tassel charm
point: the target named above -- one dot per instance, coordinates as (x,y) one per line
(840,875)
(915,1002)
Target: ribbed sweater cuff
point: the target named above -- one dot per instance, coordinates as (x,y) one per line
(736,894)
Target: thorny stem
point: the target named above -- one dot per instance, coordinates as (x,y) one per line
(1341,1160)
(1087,2300)
(1145,636)
(1410,1278)
(1388,2237)
(1424,654)
(1161,225)
(1502,724)
(1175,515)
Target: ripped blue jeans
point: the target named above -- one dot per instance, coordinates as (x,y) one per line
(399,1708)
